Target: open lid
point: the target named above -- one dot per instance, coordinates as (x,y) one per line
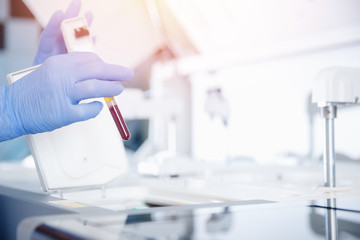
(81,155)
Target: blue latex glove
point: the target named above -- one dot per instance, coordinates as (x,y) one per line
(51,40)
(48,98)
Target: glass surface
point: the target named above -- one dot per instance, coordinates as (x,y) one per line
(305,220)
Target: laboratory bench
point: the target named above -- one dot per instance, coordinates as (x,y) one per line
(256,220)
(240,202)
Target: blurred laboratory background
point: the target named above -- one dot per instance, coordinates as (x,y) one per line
(19,35)
(216,81)
(220,112)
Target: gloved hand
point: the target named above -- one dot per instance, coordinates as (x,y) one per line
(51,40)
(48,98)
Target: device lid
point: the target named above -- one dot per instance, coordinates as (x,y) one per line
(81,155)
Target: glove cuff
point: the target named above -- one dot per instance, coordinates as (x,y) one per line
(9,128)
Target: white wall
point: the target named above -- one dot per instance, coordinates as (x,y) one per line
(269,109)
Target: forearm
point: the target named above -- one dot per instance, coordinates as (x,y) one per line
(8,129)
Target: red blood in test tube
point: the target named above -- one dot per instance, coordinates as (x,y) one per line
(120,123)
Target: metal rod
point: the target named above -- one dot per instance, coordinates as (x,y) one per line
(331,220)
(329,113)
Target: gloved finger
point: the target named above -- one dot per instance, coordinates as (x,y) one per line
(89,18)
(83,57)
(103,71)
(73,9)
(74,59)
(95,88)
(85,111)
(51,31)
(53,26)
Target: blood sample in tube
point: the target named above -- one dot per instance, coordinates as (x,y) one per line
(118,119)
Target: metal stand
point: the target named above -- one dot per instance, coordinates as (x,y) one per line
(331,220)
(329,114)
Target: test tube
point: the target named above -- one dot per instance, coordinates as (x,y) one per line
(78,39)
(118,119)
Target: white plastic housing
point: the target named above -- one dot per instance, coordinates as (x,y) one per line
(83,43)
(81,155)
(336,85)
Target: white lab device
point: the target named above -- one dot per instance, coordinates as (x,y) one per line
(333,87)
(336,85)
(77,35)
(81,155)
